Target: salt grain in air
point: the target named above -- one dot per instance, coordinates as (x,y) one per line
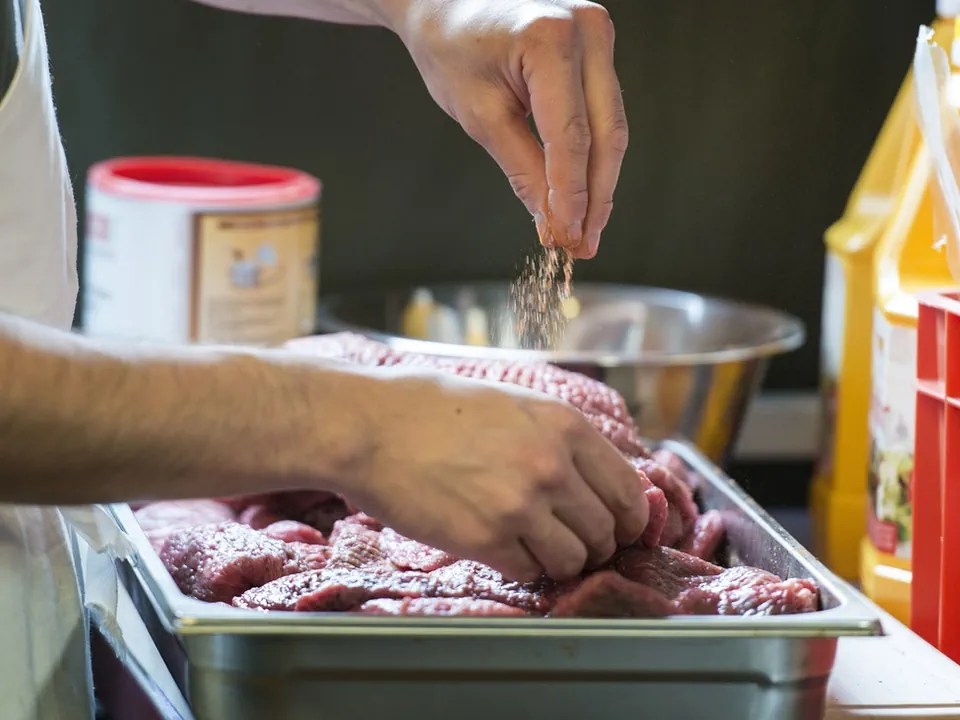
(538,295)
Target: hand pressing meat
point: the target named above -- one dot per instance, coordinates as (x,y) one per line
(490,471)
(504,475)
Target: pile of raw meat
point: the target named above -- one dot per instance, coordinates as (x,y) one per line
(311,551)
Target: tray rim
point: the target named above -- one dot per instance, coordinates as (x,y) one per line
(185,616)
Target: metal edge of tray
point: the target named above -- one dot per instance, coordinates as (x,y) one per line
(182,615)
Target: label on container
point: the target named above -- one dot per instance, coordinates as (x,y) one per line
(309,275)
(254,276)
(831,357)
(892,427)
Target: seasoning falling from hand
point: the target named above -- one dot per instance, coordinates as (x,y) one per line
(545,282)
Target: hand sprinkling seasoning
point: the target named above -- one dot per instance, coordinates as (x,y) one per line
(545,282)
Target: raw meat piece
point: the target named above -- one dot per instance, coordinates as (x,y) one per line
(334,589)
(292,531)
(160,520)
(700,587)
(344,588)
(441,606)
(602,405)
(675,464)
(409,554)
(359,518)
(354,545)
(682,511)
(258,516)
(749,591)
(466,577)
(312,556)
(609,595)
(664,569)
(218,562)
(705,538)
(671,462)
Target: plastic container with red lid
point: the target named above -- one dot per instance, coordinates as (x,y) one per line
(200,250)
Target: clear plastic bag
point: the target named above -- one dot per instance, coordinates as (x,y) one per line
(938,105)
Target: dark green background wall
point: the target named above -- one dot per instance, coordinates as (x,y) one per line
(750,121)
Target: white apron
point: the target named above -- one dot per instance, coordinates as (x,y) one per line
(44,670)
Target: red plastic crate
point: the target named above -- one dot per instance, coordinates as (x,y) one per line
(935,588)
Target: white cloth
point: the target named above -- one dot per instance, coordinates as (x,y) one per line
(44,666)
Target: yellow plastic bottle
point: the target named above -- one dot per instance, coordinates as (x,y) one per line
(416,315)
(907,263)
(838,491)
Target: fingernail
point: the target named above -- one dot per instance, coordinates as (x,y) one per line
(574,235)
(593,244)
(543,230)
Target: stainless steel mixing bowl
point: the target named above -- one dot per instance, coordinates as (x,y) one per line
(687,365)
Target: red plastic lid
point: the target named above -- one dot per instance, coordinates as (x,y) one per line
(197,180)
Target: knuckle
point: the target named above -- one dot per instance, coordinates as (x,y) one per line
(568,421)
(602,531)
(555,31)
(622,502)
(514,514)
(618,134)
(525,187)
(548,472)
(600,211)
(488,111)
(577,135)
(573,562)
(597,19)
(476,128)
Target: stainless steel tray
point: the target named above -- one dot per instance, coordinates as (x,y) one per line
(238,664)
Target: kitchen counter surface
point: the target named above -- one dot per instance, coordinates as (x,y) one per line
(896,676)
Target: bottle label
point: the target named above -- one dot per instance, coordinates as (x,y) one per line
(892,427)
(254,276)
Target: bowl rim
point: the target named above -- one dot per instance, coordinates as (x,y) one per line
(790,335)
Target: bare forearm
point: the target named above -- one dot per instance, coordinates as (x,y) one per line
(354,12)
(85,422)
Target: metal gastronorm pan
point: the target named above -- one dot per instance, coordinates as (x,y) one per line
(240,664)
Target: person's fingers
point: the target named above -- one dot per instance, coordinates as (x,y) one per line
(552,69)
(507,137)
(581,510)
(515,562)
(608,121)
(614,481)
(555,546)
